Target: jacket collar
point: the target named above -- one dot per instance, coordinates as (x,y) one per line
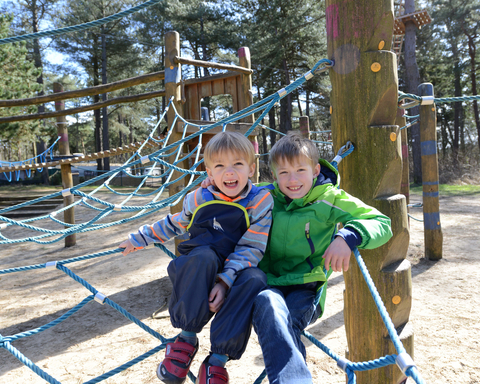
(220,196)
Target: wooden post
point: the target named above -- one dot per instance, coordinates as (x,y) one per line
(173,77)
(305,126)
(245,99)
(431,206)
(66,169)
(401,121)
(364,107)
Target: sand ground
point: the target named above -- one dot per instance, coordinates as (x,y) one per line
(445,313)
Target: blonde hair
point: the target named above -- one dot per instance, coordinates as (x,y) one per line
(229,142)
(290,147)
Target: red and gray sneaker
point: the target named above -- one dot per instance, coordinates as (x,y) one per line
(178,357)
(211,374)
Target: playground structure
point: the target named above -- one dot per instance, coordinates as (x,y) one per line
(364,126)
(419,18)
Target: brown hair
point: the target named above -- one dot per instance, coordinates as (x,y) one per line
(290,147)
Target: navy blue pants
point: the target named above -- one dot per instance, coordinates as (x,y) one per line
(193,277)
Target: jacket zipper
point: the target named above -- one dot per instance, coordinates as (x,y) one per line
(310,242)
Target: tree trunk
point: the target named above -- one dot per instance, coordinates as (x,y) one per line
(96,113)
(472,49)
(40,144)
(458,107)
(286,104)
(364,102)
(264,131)
(105,136)
(272,124)
(412,81)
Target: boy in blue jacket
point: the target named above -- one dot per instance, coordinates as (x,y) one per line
(228,225)
(307,208)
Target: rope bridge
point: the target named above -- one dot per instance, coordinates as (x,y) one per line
(105,214)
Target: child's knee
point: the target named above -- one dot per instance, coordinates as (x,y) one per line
(200,258)
(265,301)
(254,278)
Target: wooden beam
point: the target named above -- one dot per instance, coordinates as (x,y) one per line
(206,79)
(208,64)
(86,91)
(91,107)
(80,159)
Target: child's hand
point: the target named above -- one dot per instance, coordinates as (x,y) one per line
(217,296)
(127,244)
(207,182)
(337,255)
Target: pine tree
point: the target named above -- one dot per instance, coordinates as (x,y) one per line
(18,80)
(85,49)
(286,38)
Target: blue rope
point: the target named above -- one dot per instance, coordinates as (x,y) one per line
(416,100)
(410,124)
(33,160)
(28,363)
(79,27)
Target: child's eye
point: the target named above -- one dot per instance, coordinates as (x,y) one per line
(218,165)
(238,163)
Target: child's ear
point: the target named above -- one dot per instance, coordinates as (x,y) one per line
(252,170)
(316,170)
(209,173)
(274,175)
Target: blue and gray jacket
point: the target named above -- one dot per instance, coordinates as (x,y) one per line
(237,229)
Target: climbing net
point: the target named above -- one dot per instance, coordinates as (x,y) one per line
(106,215)
(40,158)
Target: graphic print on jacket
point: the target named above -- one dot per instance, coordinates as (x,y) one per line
(220,224)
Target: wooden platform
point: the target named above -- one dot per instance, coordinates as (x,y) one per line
(420,18)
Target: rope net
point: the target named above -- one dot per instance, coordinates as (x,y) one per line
(110,207)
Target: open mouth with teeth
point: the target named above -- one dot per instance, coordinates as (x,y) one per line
(294,189)
(231,184)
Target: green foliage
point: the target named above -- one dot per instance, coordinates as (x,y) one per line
(286,39)
(18,81)
(445,61)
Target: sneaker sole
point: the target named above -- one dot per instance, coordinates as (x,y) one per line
(167,380)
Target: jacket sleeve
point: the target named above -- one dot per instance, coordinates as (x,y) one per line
(170,226)
(373,226)
(251,247)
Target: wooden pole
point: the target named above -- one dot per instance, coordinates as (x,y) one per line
(245,99)
(305,126)
(173,77)
(364,107)
(66,169)
(431,206)
(401,121)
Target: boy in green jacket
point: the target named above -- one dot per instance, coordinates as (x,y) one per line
(307,208)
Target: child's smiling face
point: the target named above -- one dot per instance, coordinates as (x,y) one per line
(296,179)
(230,172)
